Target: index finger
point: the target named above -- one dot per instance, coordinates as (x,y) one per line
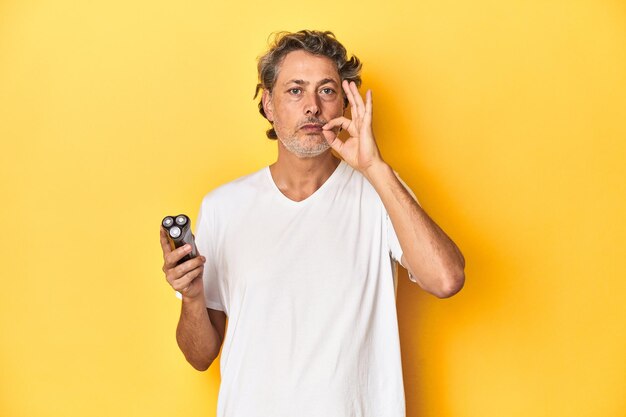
(354,98)
(165,243)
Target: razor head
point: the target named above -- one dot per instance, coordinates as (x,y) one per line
(179,234)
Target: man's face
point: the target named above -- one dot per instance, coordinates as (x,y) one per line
(306,95)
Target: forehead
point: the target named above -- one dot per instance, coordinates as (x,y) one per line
(301,65)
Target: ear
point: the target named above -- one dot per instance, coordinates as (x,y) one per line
(267,105)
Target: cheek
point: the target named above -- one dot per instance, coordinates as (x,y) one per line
(288,114)
(281,123)
(334,109)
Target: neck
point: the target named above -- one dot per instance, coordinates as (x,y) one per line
(298,178)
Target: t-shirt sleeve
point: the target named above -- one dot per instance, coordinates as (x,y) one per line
(206,241)
(392,238)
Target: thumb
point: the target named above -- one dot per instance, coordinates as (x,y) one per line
(333,140)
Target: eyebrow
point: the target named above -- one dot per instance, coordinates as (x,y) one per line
(321,82)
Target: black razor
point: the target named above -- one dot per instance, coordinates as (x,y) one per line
(178,229)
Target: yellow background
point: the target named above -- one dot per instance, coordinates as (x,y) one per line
(507,119)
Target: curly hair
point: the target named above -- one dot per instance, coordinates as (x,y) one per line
(312,41)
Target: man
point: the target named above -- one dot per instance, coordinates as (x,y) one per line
(301,255)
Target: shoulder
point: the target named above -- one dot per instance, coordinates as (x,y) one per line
(358,178)
(356,182)
(235,192)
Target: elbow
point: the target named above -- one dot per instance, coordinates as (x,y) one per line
(451,283)
(200,365)
(445,280)
(197,356)
(451,288)
(199,362)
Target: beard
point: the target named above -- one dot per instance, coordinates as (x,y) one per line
(300,143)
(308,147)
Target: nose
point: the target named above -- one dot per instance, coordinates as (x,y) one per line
(312,106)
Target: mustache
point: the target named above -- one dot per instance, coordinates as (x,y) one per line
(313,121)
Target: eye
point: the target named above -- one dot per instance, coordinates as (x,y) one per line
(295,91)
(327,91)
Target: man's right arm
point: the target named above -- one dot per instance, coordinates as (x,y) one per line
(200,333)
(200,330)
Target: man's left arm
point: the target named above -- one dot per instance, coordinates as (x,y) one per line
(429,254)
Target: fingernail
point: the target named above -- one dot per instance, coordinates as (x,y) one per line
(187,247)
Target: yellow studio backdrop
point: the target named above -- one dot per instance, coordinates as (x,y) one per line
(507,119)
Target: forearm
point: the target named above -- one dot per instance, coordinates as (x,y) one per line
(428,253)
(196,336)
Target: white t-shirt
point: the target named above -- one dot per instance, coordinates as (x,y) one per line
(309,291)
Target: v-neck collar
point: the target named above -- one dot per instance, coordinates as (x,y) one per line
(329,181)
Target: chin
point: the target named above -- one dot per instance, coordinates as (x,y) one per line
(312,155)
(310,152)
(305,148)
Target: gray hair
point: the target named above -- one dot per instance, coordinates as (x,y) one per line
(312,41)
